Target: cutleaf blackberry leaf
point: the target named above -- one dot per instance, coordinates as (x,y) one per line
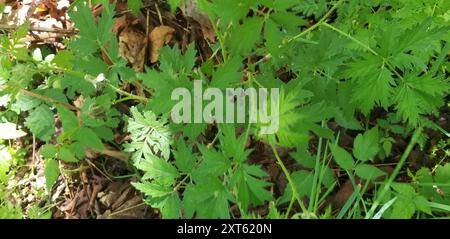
(250,188)
(184,157)
(208,199)
(233,147)
(92,36)
(418,95)
(244,37)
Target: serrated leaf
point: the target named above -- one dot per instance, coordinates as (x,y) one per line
(51,173)
(41,122)
(184,158)
(366,145)
(251,190)
(244,37)
(153,190)
(68,119)
(66,155)
(89,139)
(343,158)
(208,200)
(368,172)
(149,135)
(156,168)
(233,147)
(49,151)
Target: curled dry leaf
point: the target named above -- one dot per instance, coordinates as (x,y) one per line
(158,38)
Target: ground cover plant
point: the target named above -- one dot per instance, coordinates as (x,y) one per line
(87,127)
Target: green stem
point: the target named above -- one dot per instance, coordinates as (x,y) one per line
(312,197)
(290,181)
(320,22)
(48,99)
(129,95)
(291,203)
(396,171)
(385,61)
(268,56)
(351,38)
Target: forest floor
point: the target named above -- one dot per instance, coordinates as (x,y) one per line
(100,186)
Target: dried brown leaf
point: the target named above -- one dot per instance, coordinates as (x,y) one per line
(158,38)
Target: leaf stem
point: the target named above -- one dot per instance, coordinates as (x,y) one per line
(48,99)
(290,181)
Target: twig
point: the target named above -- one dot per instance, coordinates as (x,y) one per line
(39,29)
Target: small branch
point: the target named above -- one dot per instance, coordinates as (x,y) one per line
(39,29)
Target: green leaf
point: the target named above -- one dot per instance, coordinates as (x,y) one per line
(135,6)
(89,139)
(368,172)
(68,119)
(343,158)
(49,151)
(303,181)
(51,173)
(233,147)
(312,7)
(227,74)
(66,155)
(41,122)
(173,61)
(403,208)
(170,206)
(251,190)
(366,146)
(156,168)
(244,37)
(208,199)
(150,136)
(214,164)
(174,4)
(419,95)
(184,158)
(92,36)
(422,205)
(375,89)
(153,190)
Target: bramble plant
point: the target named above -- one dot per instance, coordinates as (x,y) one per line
(346,61)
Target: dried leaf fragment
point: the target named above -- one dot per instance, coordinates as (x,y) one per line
(158,38)
(132,47)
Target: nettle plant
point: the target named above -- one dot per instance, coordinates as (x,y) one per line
(334,61)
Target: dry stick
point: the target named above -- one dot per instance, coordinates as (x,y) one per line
(39,29)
